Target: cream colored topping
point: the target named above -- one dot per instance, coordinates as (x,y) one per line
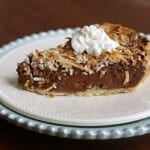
(92,39)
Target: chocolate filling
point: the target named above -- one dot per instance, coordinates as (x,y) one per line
(110,77)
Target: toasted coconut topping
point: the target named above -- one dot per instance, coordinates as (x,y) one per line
(131,51)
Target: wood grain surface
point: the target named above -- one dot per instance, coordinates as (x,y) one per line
(23,17)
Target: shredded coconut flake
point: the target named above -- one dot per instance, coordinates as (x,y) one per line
(126,79)
(54,85)
(71,72)
(38,79)
(85,73)
(59,77)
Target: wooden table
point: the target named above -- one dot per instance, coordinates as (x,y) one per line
(22,17)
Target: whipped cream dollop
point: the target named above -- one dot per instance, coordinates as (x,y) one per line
(92,39)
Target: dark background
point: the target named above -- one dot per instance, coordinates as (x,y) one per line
(22,17)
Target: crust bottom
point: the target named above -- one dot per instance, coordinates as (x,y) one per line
(96,92)
(89,92)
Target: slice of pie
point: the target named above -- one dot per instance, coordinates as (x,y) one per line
(98,60)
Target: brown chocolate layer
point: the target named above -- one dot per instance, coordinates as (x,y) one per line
(110,77)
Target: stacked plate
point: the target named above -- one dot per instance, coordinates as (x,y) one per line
(99,117)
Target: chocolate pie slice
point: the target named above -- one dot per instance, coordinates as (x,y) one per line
(98,60)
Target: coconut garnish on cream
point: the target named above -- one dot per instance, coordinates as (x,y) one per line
(92,39)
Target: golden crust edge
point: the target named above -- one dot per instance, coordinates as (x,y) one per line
(89,92)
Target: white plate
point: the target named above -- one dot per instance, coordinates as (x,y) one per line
(82,111)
